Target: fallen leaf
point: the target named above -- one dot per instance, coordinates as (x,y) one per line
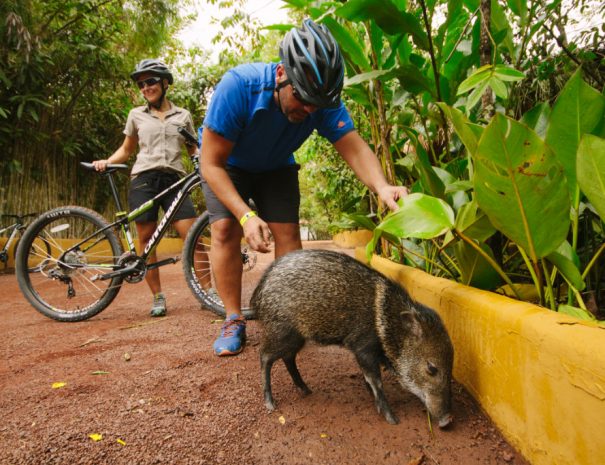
(323,435)
(99,372)
(121,442)
(282,420)
(417,460)
(90,341)
(58,384)
(96,437)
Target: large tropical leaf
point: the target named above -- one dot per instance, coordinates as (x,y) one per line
(387,16)
(578,110)
(591,171)
(352,48)
(521,187)
(420,216)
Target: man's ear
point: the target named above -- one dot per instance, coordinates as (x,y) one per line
(280,73)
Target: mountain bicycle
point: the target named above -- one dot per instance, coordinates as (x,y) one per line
(87,264)
(14,231)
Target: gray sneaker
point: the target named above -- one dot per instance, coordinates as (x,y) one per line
(158,308)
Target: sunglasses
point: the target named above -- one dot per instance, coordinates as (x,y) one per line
(299,98)
(152,81)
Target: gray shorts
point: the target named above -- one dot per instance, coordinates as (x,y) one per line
(276,194)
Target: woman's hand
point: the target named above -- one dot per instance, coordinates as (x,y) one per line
(100,165)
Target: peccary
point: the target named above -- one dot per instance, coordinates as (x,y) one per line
(331,298)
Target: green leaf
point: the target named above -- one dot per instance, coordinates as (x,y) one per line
(498,87)
(505,73)
(576,312)
(468,132)
(365,77)
(521,187)
(591,171)
(537,118)
(478,77)
(563,260)
(387,16)
(350,47)
(578,110)
(476,94)
(475,270)
(519,7)
(361,220)
(413,79)
(473,222)
(421,216)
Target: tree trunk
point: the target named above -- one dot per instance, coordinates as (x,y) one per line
(485,57)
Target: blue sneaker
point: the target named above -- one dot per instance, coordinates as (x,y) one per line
(232,338)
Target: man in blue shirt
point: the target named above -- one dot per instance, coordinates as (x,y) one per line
(259,115)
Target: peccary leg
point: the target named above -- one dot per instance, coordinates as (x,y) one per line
(266,362)
(371,372)
(290,363)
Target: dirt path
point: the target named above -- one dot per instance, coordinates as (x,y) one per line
(155,392)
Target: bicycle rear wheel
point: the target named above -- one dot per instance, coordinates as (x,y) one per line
(62,284)
(41,252)
(197,268)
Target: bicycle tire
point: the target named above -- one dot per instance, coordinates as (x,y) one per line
(44,248)
(198,270)
(62,287)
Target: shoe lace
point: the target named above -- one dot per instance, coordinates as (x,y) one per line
(230,327)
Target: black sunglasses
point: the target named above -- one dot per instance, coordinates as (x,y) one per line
(299,98)
(152,81)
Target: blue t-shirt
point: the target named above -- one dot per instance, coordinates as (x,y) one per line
(243,111)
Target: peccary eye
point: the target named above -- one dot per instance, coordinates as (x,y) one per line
(431,369)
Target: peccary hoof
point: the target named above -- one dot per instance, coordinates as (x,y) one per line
(269,404)
(446,421)
(391,418)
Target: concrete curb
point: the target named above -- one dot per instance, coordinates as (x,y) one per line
(352,239)
(539,375)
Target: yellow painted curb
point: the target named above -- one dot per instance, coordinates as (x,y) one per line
(352,239)
(539,375)
(167,246)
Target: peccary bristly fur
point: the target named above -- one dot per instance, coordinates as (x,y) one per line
(331,298)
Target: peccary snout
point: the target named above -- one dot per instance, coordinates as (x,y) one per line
(331,298)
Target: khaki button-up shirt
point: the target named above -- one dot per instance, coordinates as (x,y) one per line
(159,141)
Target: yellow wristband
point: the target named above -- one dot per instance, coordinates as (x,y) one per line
(246,217)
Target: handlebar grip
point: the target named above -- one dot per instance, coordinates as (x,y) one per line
(188,136)
(111,166)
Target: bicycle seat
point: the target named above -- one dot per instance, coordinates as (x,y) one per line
(110,168)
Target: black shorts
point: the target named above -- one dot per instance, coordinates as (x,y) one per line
(276,194)
(150,183)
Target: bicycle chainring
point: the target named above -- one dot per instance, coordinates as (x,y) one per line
(137,263)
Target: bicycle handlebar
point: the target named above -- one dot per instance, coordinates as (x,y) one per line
(18,217)
(191,140)
(110,166)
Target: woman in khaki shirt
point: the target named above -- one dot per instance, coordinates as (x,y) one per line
(153,127)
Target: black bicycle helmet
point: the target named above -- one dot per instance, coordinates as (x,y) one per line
(152,66)
(313,64)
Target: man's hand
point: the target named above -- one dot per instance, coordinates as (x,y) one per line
(390,194)
(257,234)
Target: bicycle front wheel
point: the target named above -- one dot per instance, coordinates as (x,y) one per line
(197,268)
(64,283)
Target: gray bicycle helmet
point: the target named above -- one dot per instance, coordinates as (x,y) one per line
(313,64)
(152,66)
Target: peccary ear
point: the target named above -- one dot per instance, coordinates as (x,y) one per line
(411,324)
